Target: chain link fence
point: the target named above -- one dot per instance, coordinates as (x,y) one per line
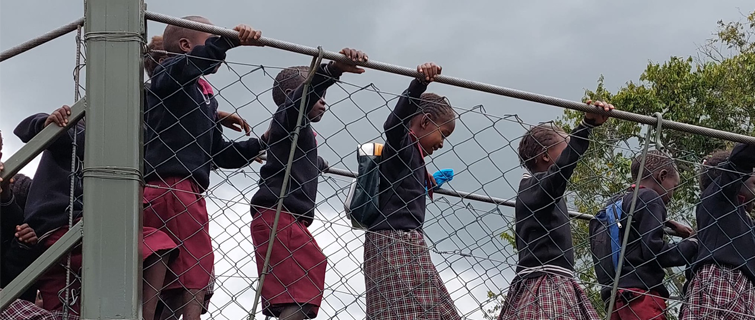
(200,198)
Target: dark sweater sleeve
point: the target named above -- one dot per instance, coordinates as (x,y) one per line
(322,164)
(11,216)
(395,126)
(233,154)
(553,183)
(185,69)
(33,125)
(288,112)
(652,211)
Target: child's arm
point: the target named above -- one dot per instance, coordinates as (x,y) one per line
(284,119)
(652,211)
(11,214)
(31,126)
(554,181)
(234,154)
(395,126)
(184,69)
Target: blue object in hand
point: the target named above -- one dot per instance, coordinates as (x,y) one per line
(442,176)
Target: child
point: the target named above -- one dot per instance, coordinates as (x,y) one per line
(183,142)
(47,211)
(294,286)
(642,294)
(401,280)
(13,231)
(544,287)
(722,285)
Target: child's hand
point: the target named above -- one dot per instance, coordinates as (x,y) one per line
(234,122)
(59,117)
(597,119)
(429,70)
(681,230)
(26,234)
(259,159)
(354,55)
(248,36)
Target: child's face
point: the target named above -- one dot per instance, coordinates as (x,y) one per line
(748,192)
(432,134)
(318,110)
(668,181)
(554,151)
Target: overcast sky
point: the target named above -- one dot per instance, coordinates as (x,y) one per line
(558,48)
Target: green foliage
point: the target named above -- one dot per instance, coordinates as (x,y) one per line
(715,91)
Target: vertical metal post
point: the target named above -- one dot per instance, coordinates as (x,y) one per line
(111,284)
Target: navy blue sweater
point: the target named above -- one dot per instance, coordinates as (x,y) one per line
(647,252)
(11,215)
(402,172)
(299,199)
(726,232)
(47,205)
(543,232)
(183,135)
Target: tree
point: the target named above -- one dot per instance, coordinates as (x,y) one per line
(716,90)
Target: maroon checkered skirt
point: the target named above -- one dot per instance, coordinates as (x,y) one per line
(25,310)
(719,293)
(401,280)
(550,297)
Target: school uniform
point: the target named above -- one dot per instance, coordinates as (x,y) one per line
(401,279)
(723,274)
(642,294)
(27,310)
(297,264)
(183,142)
(47,209)
(544,286)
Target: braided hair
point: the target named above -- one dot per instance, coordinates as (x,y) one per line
(655,162)
(288,79)
(710,171)
(438,107)
(536,141)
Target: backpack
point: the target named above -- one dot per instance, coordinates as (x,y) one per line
(605,244)
(362,202)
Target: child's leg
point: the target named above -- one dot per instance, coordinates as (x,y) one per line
(192,302)
(295,312)
(155,267)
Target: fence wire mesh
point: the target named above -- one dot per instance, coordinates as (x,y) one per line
(202,181)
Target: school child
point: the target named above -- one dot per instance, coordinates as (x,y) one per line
(294,286)
(641,293)
(722,284)
(544,286)
(401,280)
(183,143)
(47,209)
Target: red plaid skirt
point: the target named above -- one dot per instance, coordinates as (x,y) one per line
(401,280)
(177,208)
(547,297)
(296,272)
(25,310)
(719,293)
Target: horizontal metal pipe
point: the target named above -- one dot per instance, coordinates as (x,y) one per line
(33,43)
(473,85)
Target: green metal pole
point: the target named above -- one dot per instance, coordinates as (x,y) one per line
(112,278)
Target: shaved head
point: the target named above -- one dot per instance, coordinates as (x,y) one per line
(173,36)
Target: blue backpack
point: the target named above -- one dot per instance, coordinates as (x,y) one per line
(605,243)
